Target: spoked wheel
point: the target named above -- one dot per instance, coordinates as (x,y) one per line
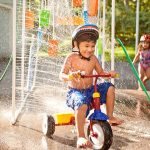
(104,137)
(48,126)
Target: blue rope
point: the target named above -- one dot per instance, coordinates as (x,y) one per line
(85,16)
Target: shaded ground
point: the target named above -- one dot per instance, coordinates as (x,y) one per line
(134,134)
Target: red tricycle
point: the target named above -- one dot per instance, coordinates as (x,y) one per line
(98,129)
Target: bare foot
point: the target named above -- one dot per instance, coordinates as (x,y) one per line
(115,121)
(83,143)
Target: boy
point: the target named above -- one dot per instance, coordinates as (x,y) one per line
(80,91)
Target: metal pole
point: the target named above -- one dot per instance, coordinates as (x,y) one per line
(99,25)
(113,37)
(23,49)
(99,15)
(85,5)
(137,24)
(104,18)
(14,63)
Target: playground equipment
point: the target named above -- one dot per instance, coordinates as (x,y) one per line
(74,17)
(44,16)
(98,130)
(77,3)
(29,19)
(93,7)
(29,22)
(53,47)
(74,20)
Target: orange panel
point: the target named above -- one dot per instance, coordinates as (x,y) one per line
(93,7)
(29,23)
(53,47)
(77,3)
(76,20)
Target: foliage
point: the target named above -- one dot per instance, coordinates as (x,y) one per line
(125,19)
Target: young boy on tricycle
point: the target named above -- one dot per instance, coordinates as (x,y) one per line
(80,91)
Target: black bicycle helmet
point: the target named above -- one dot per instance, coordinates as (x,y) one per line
(85,29)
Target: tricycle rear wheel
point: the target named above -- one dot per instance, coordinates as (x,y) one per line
(48,125)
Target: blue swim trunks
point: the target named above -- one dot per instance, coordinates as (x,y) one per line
(76,98)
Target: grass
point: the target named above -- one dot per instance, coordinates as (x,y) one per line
(119,54)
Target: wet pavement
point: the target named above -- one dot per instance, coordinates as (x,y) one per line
(26,134)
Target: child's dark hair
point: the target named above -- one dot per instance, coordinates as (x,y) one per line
(86,37)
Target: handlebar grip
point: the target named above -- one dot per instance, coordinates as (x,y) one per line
(117,75)
(70,76)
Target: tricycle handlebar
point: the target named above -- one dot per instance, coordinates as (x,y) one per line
(97,75)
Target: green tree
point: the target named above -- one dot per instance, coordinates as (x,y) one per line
(125,19)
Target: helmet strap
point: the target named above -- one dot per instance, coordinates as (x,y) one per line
(82,57)
(75,49)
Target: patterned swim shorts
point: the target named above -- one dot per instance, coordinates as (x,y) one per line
(76,98)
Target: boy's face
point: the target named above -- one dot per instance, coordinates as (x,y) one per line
(87,48)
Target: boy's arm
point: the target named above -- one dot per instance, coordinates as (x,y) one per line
(98,67)
(63,75)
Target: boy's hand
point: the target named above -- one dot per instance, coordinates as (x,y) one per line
(113,74)
(75,75)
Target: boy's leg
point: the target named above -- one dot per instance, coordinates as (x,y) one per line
(80,116)
(110,101)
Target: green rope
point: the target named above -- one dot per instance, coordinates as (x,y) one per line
(6,68)
(133,68)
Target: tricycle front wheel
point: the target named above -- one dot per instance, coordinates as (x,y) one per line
(104,137)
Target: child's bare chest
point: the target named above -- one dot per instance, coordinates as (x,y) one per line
(83,65)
